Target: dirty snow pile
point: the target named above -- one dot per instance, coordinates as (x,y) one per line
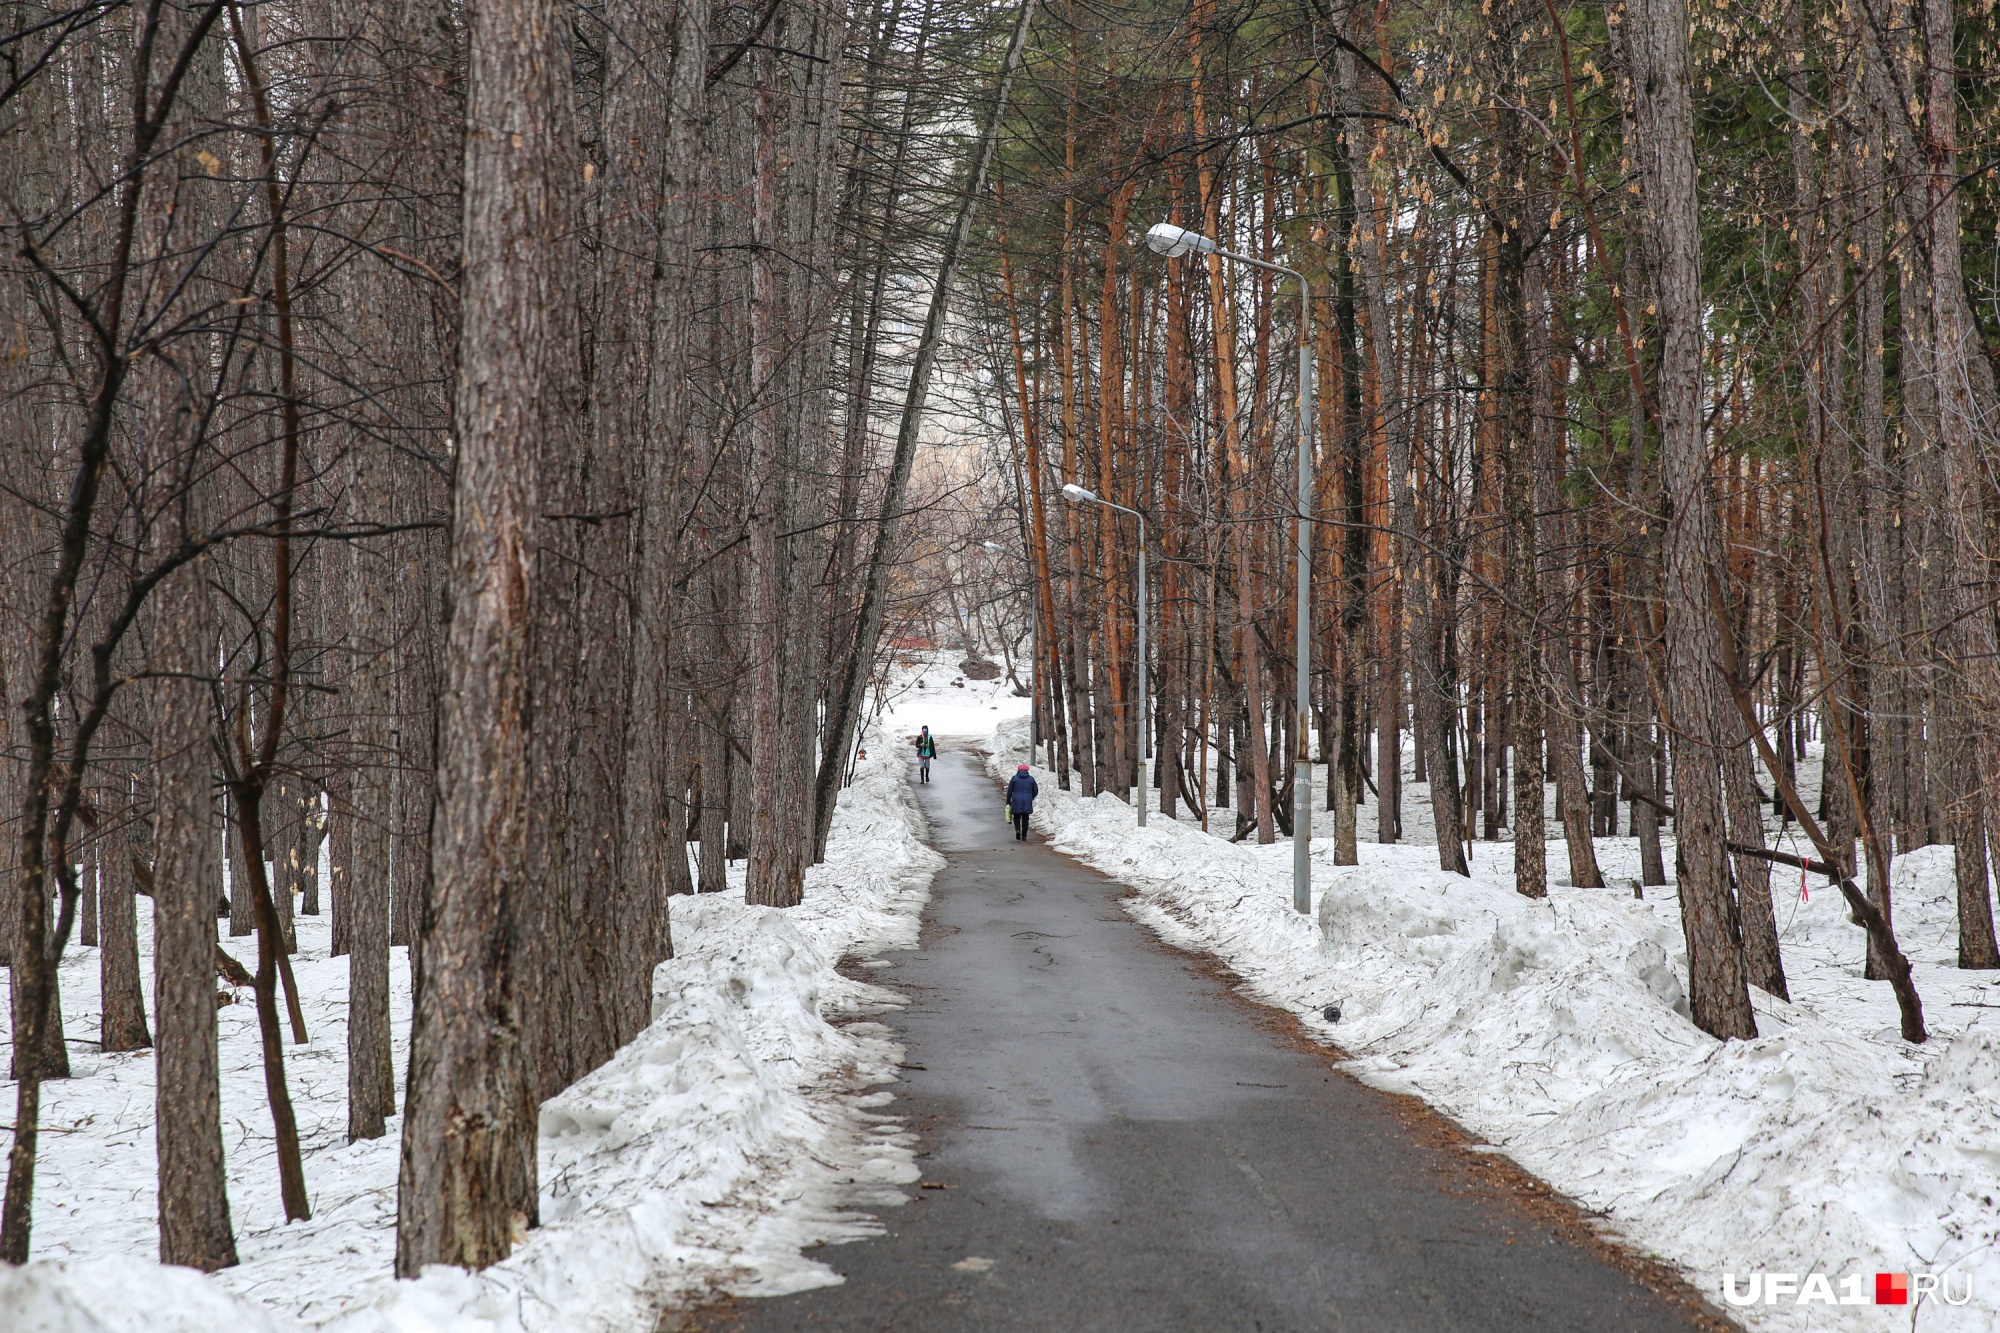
(1557,1031)
(702,1157)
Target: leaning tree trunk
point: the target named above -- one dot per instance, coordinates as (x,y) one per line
(843,718)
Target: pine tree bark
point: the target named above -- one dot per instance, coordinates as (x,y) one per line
(1347,783)
(187,870)
(339,860)
(122,1024)
(1255,811)
(1718,993)
(1959,373)
(468,1176)
(242,917)
(371,1082)
(1526,711)
(1563,723)
(769,479)
(1432,692)
(654,819)
(286,809)
(715,766)
(86,914)
(312,837)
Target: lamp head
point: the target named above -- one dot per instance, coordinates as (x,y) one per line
(995,547)
(1173,242)
(1076,492)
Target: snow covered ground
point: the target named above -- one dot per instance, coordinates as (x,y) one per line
(1556,1030)
(928,689)
(702,1157)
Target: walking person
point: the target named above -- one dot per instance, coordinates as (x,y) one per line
(1021,793)
(926,751)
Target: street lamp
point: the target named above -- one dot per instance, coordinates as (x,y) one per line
(1173,242)
(1077,493)
(1034,670)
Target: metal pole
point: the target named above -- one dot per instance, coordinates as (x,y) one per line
(1145,732)
(1302,806)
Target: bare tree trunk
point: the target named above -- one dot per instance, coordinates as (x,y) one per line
(1717,988)
(123,1005)
(1389,735)
(370,1074)
(1234,465)
(1573,714)
(340,859)
(281,821)
(312,837)
(399,782)
(468,1179)
(769,479)
(1347,783)
(371,1080)
(187,868)
(715,766)
(843,716)
(1432,692)
(1764,967)
(1526,713)
(86,917)
(242,913)
(286,811)
(1963,422)
(1564,721)
(654,820)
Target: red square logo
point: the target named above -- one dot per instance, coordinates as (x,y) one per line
(1892,1288)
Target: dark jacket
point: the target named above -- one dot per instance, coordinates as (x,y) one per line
(1021,793)
(927,746)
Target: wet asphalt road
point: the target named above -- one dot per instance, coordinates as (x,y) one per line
(1126,1145)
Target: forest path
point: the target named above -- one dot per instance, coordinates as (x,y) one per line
(1125,1144)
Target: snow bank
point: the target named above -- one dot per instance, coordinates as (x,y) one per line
(702,1157)
(1558,1030)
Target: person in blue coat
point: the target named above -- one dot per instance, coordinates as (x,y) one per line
(1021,793)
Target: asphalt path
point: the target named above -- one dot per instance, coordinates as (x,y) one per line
(1122,1143)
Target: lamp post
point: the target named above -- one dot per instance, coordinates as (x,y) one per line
(1077,493)
(1172,242)
(1034,668)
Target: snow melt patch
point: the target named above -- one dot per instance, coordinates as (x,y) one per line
(730,1134)
(1557,1029)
